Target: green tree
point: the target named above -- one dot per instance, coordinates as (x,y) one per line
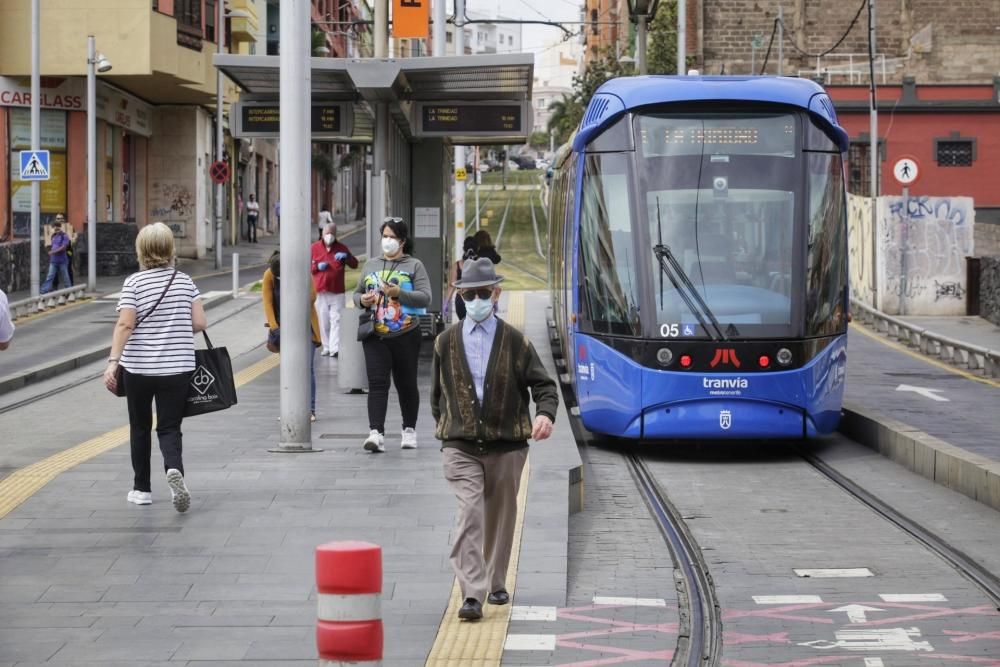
(661,51)
(539,140)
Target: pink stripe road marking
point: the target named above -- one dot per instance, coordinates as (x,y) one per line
(984,610)
(631,654)
(986,662)
(597,662)
(821,660)
(736,638)
(962,636)
(778,613)
(605,632)
(662,627)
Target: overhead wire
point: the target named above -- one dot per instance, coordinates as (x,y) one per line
(839,41)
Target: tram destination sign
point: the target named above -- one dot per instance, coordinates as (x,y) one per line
(329,120)
(499,119)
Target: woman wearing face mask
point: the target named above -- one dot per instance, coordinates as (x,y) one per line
(395,287)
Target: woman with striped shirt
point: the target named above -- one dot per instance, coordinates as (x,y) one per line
(159,311)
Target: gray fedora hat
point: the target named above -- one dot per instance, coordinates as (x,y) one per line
(478,273)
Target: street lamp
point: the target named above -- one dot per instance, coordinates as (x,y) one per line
(96,62)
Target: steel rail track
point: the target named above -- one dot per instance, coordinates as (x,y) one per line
(699,636)
(87,378)
(988,582)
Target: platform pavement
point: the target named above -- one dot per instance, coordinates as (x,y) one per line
(933,418)
(89,579)
(64,338)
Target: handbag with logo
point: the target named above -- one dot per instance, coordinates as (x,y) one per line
(212,385)
(120,371)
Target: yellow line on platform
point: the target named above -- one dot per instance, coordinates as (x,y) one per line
(25,482)
(480,644)
(916,355)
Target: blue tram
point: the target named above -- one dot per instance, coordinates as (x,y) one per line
(698,258)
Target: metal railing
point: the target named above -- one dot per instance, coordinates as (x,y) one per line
(31,305)
(956,352)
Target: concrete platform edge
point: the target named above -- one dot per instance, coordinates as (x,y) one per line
(43,372)
(965,472)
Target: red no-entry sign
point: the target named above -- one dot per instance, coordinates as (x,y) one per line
(219,171)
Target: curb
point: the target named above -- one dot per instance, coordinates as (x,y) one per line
(47,371)
(965,472)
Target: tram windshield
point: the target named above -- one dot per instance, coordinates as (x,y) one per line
(719,196)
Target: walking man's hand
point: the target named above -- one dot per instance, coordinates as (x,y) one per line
(542,428)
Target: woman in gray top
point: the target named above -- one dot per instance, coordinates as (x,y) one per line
(396,290)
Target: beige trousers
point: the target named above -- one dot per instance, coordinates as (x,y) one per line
(486,488)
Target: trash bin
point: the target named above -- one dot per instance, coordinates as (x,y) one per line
(351,373)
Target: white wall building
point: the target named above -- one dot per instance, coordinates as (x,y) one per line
(484,38)
(555,67)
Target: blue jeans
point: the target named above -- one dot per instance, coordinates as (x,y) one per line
(64,281)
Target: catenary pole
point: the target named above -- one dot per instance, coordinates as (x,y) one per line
(220,31)
(91,164)
(682,36)
(873,150)
(438,27)
(36,127)
(459,150)
(296,334)
(781,40)
(640,44)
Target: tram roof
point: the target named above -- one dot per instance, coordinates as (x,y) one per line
(625,93)
(401,82)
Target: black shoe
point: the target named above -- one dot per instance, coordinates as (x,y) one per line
(335,355)
(472,610)
(500,596)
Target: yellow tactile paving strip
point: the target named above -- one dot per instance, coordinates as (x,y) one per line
(23,483)
(480,644)
(922,357)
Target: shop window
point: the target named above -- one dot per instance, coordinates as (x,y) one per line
(954,152)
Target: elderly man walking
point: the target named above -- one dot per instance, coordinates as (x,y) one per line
(328,259)
(482,372)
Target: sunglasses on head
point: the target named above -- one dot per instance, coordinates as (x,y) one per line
(481,293)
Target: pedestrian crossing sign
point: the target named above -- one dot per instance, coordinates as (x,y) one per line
(34,165)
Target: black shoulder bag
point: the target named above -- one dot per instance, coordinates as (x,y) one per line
(120,372)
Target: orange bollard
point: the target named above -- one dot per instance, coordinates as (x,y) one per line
(349,603)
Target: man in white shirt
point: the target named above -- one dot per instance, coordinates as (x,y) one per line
(6,325)
(253,212)
(325,218)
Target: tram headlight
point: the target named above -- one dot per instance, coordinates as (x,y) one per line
(784,356)
(664,356)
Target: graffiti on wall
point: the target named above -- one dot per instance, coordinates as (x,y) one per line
(859,247)
(923,243)
(171,200)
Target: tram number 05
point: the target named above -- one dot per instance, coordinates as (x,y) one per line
(670,330)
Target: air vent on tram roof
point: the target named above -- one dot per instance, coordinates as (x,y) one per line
(602,108)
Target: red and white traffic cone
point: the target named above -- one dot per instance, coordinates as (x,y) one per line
(349,602)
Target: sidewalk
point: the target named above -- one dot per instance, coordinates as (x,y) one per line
(90,579)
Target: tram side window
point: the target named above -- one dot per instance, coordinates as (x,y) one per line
(826,263)
(608,280)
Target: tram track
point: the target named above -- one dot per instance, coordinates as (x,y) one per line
(961,562)
(93,376)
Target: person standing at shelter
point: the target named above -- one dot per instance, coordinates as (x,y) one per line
(485,247)
(159,312)
(6,324)
(395,290)
(483,369)
(253,213)
(271,294)
(454,275)
(58,257)
(329,256)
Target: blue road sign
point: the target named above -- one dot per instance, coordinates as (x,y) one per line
(34,165)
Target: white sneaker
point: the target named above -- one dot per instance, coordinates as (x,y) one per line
(409,439)
(375,442)
(178,490)
(325,353)
(140,497)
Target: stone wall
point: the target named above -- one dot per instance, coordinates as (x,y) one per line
(989,289)
(954,41)
(987,238)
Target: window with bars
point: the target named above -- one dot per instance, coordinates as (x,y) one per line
(859,170)
(951,153)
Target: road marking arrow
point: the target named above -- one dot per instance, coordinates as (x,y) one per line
(856,612)
(923,391)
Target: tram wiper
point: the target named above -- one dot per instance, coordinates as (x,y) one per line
(670,266)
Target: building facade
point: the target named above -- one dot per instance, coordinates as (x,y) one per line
(606,29)
(555,67)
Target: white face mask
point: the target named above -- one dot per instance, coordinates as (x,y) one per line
(390,246)
(329,238)
(479,309)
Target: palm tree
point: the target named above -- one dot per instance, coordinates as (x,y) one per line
(561,119)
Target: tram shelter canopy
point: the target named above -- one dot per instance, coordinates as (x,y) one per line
(413,88)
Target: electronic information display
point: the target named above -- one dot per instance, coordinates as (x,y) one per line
(471,119)
(748,135)
(263,119)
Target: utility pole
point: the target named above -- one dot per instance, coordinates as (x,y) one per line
(296,348)
(36,133)
(873,146)
(681,37)
(640,42)
(438,27)
(781,40)
(459,150)
(220,30)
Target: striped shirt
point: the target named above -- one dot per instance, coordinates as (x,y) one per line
(163,343)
